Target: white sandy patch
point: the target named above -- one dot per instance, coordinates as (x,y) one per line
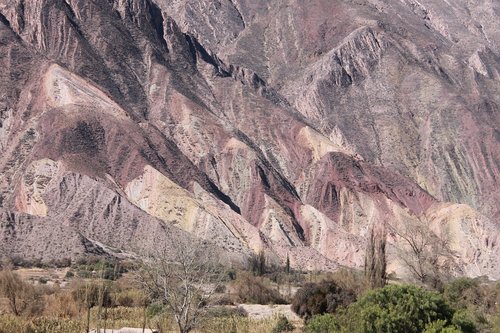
(64,88)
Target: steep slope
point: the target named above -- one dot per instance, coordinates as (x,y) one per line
(294,127)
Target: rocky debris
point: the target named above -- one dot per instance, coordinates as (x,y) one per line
(291,127)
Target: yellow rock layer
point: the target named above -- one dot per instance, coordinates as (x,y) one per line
(317,143)
(159,196)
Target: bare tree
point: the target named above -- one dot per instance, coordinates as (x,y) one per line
(426,255)
(183,277)
(13,288)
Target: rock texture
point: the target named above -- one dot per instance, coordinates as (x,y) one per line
(297,127)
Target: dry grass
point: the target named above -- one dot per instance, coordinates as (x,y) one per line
(239,325)
(35,274)
(60,313)
(11,324)
(132,317)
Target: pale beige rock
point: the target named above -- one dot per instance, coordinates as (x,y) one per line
(30,197)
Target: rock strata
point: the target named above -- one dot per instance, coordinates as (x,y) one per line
(297,128)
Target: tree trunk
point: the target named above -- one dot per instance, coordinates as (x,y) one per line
(13,305)
(105,318)
(88,319)
(144,319)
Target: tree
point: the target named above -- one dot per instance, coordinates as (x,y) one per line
(287,271)
(13,288)
(426,255)
(257,263)
(375,258)
(405,309)
(184,278)
(287,265)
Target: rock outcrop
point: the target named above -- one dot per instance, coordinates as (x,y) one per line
(298,128)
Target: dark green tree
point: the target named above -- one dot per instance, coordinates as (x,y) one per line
(375,258)
(399,309)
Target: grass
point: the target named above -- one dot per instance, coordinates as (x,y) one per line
(131,317)
(240,325)
(11,324)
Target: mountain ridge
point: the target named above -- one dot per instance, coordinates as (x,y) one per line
(148,110)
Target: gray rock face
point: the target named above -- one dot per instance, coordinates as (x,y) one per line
(293,126)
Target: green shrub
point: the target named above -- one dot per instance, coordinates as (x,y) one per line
(92,293)
(318,298)
(325,323)
(96,268)
(405,309)
(439,326)
(496,323)
(43,280)
(463,320)
(257,263)
(156,309)
(462,292)
(283,325)
(474,301)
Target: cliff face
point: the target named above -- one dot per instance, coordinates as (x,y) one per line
(298,127)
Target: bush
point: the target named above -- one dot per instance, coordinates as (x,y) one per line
(462,292)
(319,298)
(439,326)
(124,300)
(224,299)
(283,325)
(43,280)
(252,289)
(405,309)
(129,298)
(93,267)
(351,280)
(92,293)
(325,323)
(257,263)
(156,309)
(474,301)
(22,297)
(464,321)
(60,263)
(220,289)
(61,305)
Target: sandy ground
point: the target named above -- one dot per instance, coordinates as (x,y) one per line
(258,311)
(51,274)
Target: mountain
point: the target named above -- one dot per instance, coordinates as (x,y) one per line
(305,128)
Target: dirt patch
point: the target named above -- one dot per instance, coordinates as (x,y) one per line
(259,311)
(47,276)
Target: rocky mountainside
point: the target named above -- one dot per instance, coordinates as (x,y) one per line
(305,128)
